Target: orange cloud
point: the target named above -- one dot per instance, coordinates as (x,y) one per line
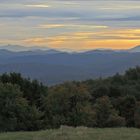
(114,39)
(36,41)
(38,5)
(49,26)
(112,44)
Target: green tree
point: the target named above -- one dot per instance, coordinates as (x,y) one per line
(137,115)
(106,114)
(69,104)
(127,109)
(133,73)
(12,106)
(33,91)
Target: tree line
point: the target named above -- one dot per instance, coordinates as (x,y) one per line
(28,105)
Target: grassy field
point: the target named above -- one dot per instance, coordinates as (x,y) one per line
(81,133)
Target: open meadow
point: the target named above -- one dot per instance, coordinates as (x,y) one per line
(80,133)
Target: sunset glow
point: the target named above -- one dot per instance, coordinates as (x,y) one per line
(74,25)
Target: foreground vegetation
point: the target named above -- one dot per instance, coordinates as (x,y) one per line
(27,105)
(80,133)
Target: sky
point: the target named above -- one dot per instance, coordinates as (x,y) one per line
(70,24)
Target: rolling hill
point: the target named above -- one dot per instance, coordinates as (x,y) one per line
(52,66)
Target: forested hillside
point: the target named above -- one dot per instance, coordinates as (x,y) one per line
(29,105)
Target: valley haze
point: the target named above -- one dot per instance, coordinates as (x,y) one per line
(52,66)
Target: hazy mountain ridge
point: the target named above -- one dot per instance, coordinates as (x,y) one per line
(135,49)
(52,66)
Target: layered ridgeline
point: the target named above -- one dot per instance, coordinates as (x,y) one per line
(53,66)
(29,105)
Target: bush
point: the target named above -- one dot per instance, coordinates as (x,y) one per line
(116,121)
(137,116)
(12,107)
(106,114)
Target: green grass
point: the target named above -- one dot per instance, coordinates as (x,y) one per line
(81,133)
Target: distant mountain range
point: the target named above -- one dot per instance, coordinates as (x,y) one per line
(18,48)
(135,49)
(53,66)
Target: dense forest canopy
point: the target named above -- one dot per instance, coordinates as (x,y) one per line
(29,105)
